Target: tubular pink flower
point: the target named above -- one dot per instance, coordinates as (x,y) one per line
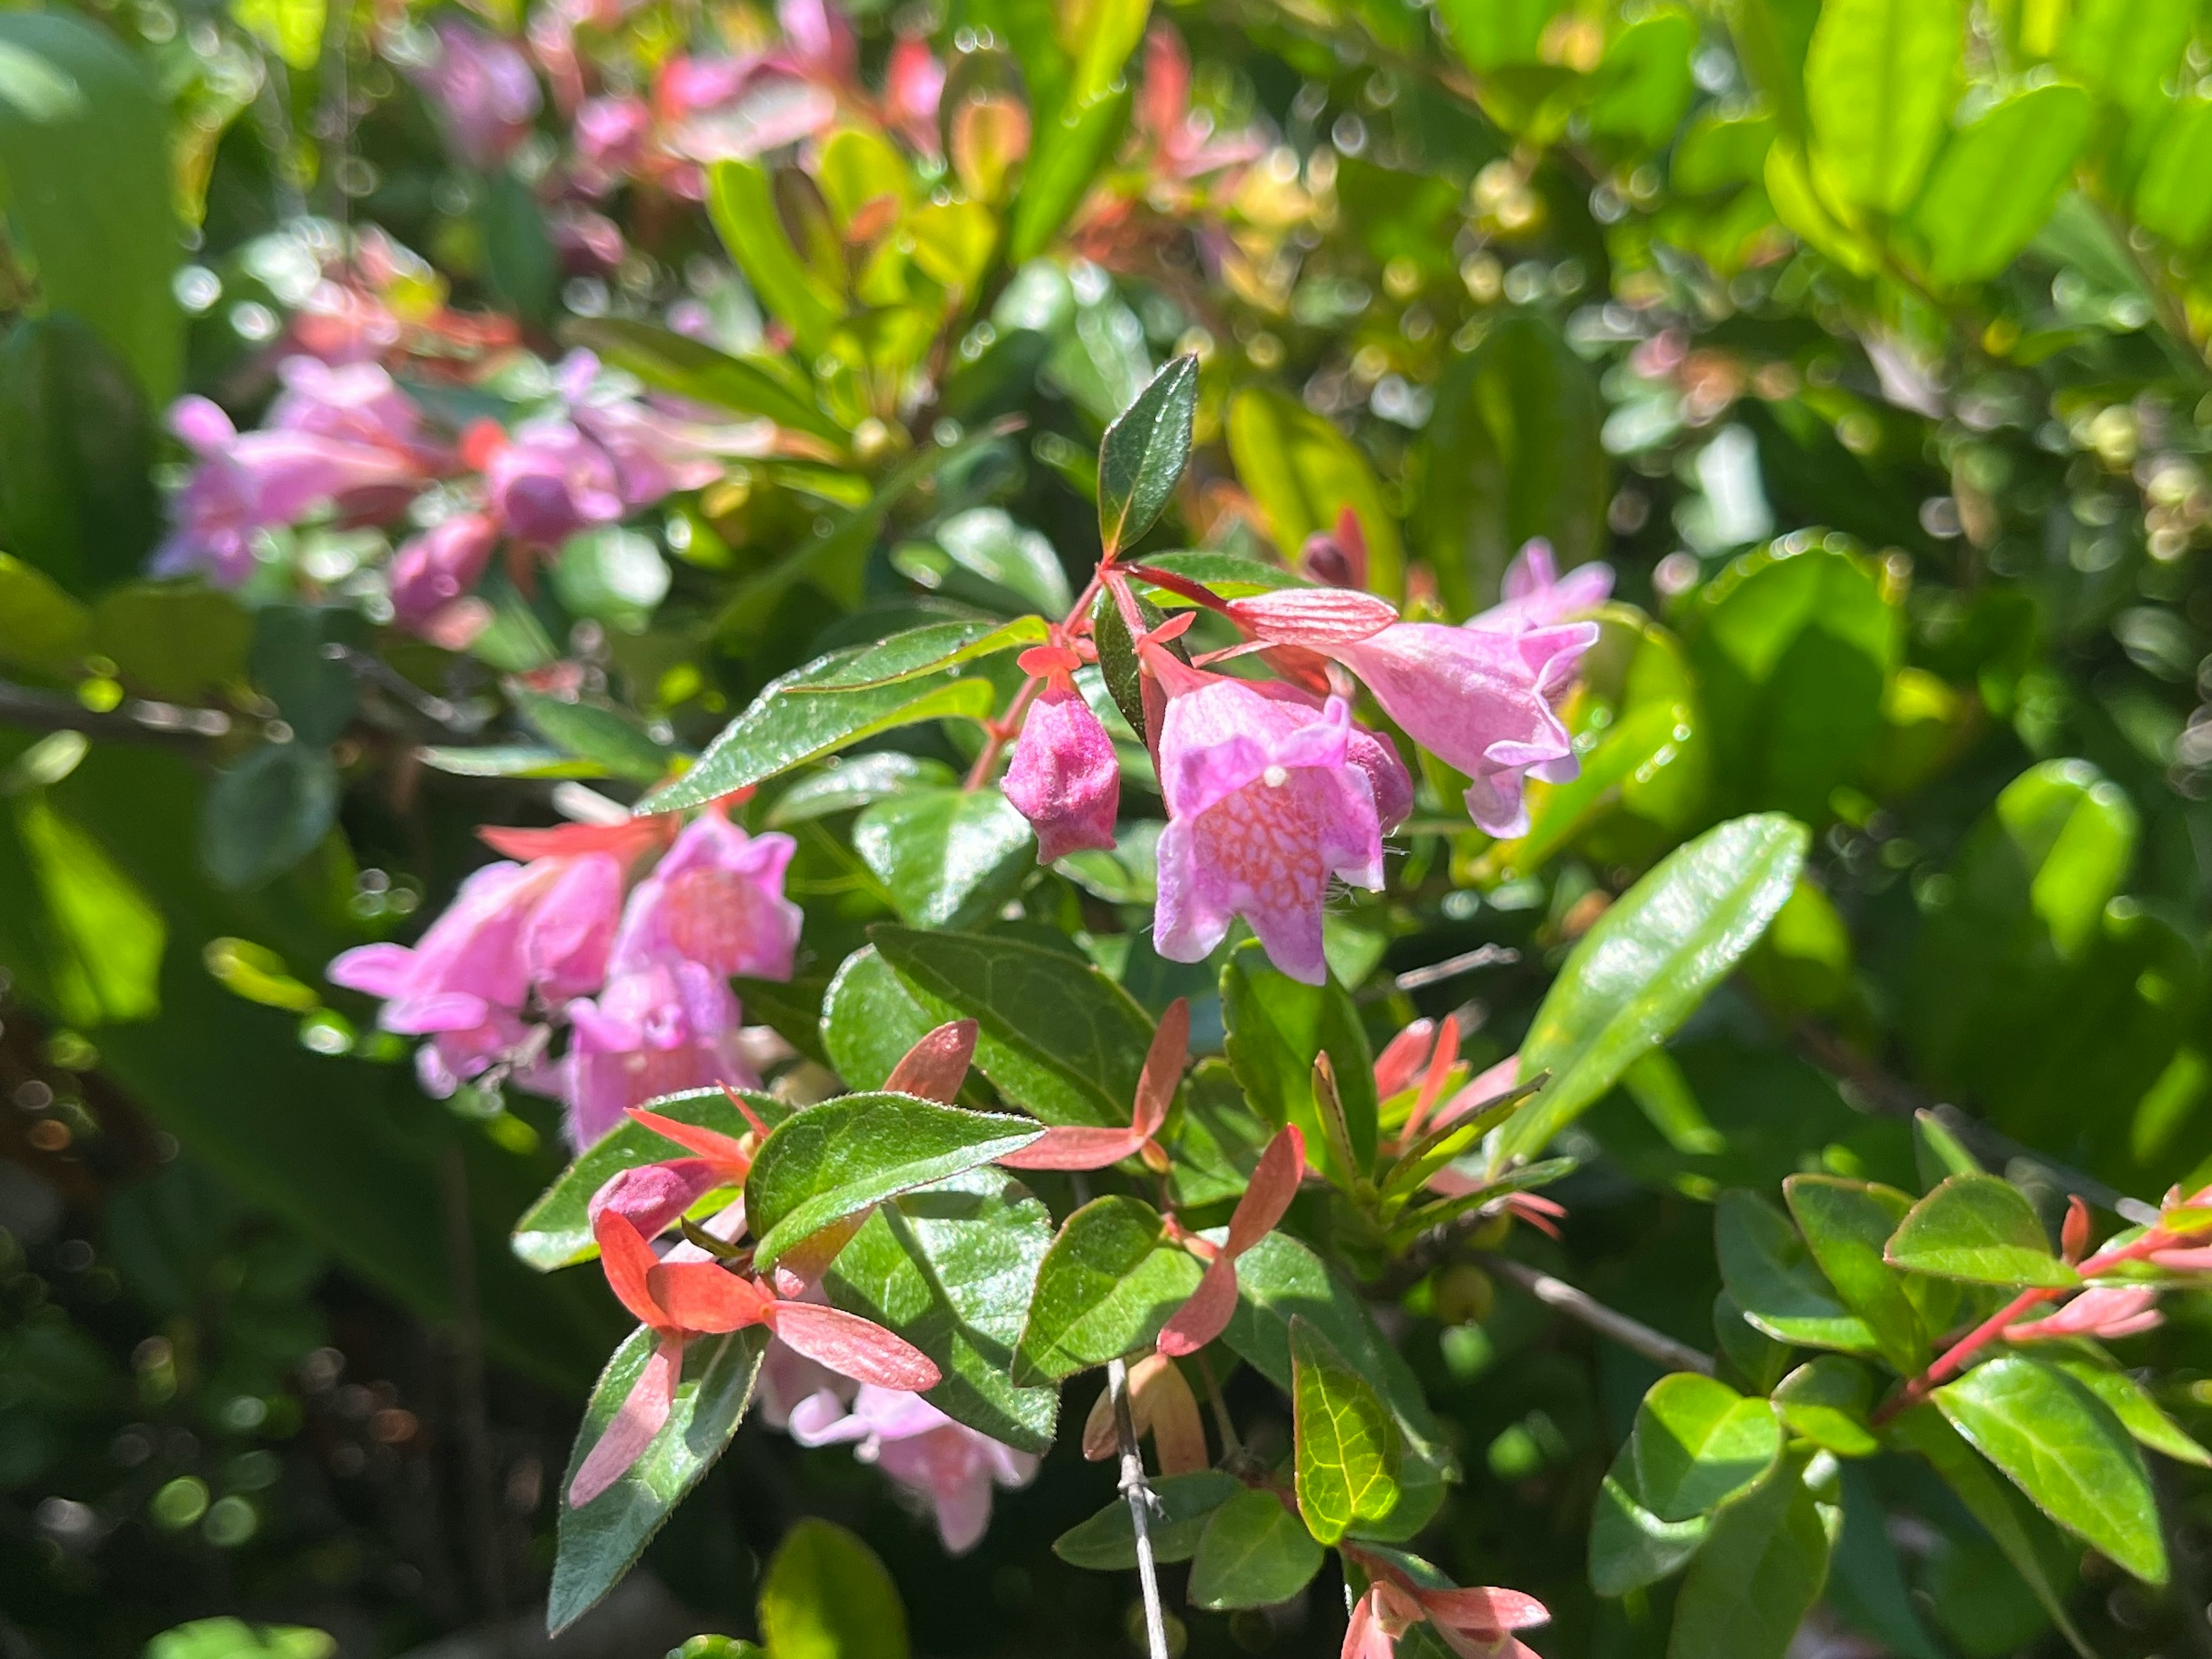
(550,480)
(433,569)
(653,1031)
(1264,806)
(611,137)
(715,899)
(1065,778)
(1535,595)
(483,89)
(949,1465)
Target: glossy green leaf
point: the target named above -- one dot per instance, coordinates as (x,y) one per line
(1277,1026)
(845,786)
(1346,1441)
(600,1543)
(1301,470)
(1774,1279)
(597,734)
(834,1160)
(844,696)
(1757,1575)
(1056,1036)
(2169,195)
(1111,1280)
(2126,49)
(1144,453)
(1846,1225)
(1879,79)
(267,811)
(1629,1547)
(1253,1554)
(1648,963)
(1980,1228)
(1233,576)
(950,1267)
(1107,1542)
(685,368)
(555,1232)
(1697,1443)
(870,1019)
(826,1596)
(1997,179)
(2130,1402)
(2060,1446)
(741,200)
(948,857)
(1827,1401)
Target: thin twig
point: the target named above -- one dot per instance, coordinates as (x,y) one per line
(138,720)
(1140,1500)
(1655,1345)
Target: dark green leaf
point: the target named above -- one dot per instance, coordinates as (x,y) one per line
(597,734)
(791,1008)
(1979,1229)
(1276,1026)
(1233,576)
(1758,1359)
(1346,1440)
(1117,655)
(2067,1451)
(1647,964)
(77,446)
(2139,1414)
(1253,1553)
(948,857)
(313,689)
(951,1268)
(1774,1279)
(1826,1401)
(1631,1547)
(1757,1575)
(1109,1283)
(870,1019)
(834,1160)
(1107,1542)
(1846,1223)
(843,785)
(266,812)
(1144,453)
(827,1596)
(600,1541)
(1697,1443)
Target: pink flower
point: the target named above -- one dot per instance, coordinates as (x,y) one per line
(715,899)
(1065,778)
(433,569)
(2104,1311)
(820,38)
(653,1031)
(949,1465)
(652,1195)
(611,136)
(1536,596)
(1264,806)
(355,402)
(550,480)
(483,89)
(513,932)
(914,85)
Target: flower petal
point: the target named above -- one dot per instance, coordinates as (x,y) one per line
(707,1297)
(1484,1609)
(1077,1147)
(628,1261)
(1164,1067)
(1314,616)
(729,1155)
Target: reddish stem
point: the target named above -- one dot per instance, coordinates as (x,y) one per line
(998,733)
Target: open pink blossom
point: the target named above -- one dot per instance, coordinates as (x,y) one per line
(1065,779)
(612,134)
(483,90)
(949,1465)
(715,899)
(1535,595)
(1264,807)
(548,481)
(653,1031)
(355,402)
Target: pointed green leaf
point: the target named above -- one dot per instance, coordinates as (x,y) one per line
(1276,1026)
(1846,1223)
(1879,79)
(2139,1414)
(1108,1284)
(1143,453)
(1697,1443)
(685,368)
(1826,1401)
(1774,1282)
(825,1595)
(1107,1542)
(741,201)
(1253,1554)
(948,857)
(1347,1442)
(1979,1229)
(1631,1547)
(870,1019)
(1757,1575)
(1997,180)
(599,735)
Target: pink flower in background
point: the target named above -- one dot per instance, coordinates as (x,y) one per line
(1264,806)
(612,135)
(651,1031)
(432,570)
(548,481)
(715,899)
(820,38)
(949,1465)
(1182,137)
(353,403)
(484,91)
(1065,779)
(1536,596)
(913,86)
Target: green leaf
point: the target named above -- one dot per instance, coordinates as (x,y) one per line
(1117,654)
(1775,1283)
(1866,1583)
(986,542)
(843,785)
(1846,1225)
(42,627)
(1233,576)
(1253,1553)
(314,692)
(519,257)
(1757,1576)
(84,145)
(1143,453)
(597,734)
(1054,1034)
(1997,178)
(948,857)
(741,201)
(1346,1440)
(834,1160)
(234,1638)
(76,444)
(266,812)
(2169,199)
(685,368)
(555,1232)
(950,1267)
(870,1019)
(1648,963)
(1879,80)
(1646,77)
(1697,1443)
(1276,1027)
(2060,1446)
(1629,1547)
(600,1543)
(1826,1401)
(1108,1284)
(2010,1522)
(2126,49)
(104,934)
(1107,1542)
(1979,1229)
(1301,470)
(827,1596)
(2131,1403)
(1068,148)
(844,696)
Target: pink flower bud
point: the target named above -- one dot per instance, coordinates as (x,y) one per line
(1065,779)
(433,569)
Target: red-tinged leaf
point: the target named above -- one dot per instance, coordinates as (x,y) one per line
(745,1110)
(1206,1315)
(1101,1438)
(731,1156)
(1163,1065)
(1076,1147)
(1399,1062)
(1314,617)
(644,1409)
(628,1261)
(626,840)
(1484,1609)
(1167,1411)
(935,1067)
(852,1346)
(1364,1637)
(706,1298)
(1439,1074)
(1275,1184)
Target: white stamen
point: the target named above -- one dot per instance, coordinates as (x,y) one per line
(1274,777)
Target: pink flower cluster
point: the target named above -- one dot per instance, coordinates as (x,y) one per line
(639,984)
(1271,789)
